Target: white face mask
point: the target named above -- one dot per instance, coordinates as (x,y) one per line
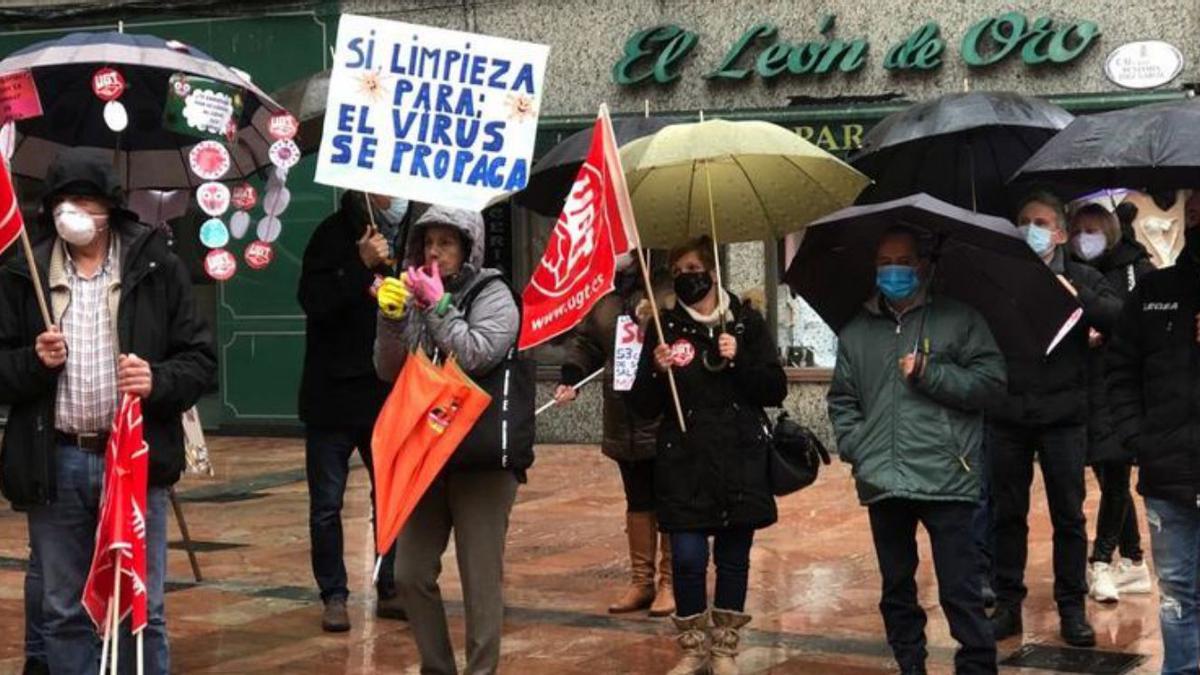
(1090,245)
(75,225)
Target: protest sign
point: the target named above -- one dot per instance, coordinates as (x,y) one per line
(626,353)
(198,106)
(18,97)
(429,114)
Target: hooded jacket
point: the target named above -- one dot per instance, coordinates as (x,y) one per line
(915,440)
(155,319)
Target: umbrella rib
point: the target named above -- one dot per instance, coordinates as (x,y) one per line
(757,197)
(687,213)
(829,197)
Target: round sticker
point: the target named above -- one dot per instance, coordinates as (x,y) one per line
(284,154)
(276,201)
(220,264)
(115,116)
(214,234)
(239,224)
(245,197)
(269,229)
(283,126)
(108,84)
(209,160)
(259,254)
(8,140)
(213,198)
(682,353)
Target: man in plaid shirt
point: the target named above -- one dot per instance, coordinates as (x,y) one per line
(123,322)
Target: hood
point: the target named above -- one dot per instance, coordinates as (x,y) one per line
(1125,253)
(468,223)
(84,171)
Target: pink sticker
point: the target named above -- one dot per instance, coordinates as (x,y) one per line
(284,154)
(259,254)
(108,84)
(283,126)
(682,353)
(245,197)
(19,97)
(220,264)
(209,160)
(213,198)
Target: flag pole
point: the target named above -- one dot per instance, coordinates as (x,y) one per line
(108,632)
(141,648)
(116,602)
(577,386)
(36,277)
(626,209)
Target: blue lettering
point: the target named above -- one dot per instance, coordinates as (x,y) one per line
(419,168)
(366,153)
(499,70)
(441,163)
(525,77)
(441,124)
(402,87)
(345,117)
(518,177)
(341,144)
(495,131)
(398,152)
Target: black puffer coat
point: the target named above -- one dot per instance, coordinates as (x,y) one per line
(715,476)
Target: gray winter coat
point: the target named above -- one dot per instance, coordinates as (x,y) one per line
(479,338)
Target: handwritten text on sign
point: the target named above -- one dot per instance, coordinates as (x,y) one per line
(430,114)
(627,353)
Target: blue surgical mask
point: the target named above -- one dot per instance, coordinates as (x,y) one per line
(398,208)
(1040,239)
(897,282)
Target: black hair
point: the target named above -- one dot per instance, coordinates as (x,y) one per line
(922,237)
(1047,197)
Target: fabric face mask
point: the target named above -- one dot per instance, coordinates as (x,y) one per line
(691,287)
(1040,239)
(74,225)
(1090,245)
(897,282)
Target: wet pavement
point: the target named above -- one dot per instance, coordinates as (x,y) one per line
(814,584)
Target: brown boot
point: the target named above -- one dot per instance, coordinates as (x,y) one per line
(693,640)
(664,595)
(335,618)
(642,531)
(725,634)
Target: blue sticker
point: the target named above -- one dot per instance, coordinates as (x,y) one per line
(213,233)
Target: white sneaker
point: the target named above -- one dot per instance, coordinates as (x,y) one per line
(1133,578)
(1103,587)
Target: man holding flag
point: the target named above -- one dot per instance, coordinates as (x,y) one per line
(121,321)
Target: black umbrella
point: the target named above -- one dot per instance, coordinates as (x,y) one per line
(1154,147)
(960,148)
(555,172)
(980,260)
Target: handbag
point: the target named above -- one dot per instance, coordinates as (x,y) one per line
(794,457)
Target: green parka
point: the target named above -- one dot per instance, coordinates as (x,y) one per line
(917,440)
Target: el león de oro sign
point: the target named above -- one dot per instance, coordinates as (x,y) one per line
(656,55)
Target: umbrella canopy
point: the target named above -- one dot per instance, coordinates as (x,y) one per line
(305,98)
(765,181)
(960,148)
(980,260)
(555,172)
(1153,147)
(150,156)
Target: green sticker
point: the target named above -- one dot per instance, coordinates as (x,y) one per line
(198,106)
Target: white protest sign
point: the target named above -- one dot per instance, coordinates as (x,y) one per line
(429,114)
(626,353)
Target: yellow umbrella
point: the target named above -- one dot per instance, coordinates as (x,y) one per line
(736,181)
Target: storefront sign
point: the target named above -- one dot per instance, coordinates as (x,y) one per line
(657,55)
(1143,65)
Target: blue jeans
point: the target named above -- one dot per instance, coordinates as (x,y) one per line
(63,535)
(35,644)
(689,564)
(1175,541)
(327,464)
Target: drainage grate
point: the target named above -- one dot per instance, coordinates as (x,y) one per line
(1073,660)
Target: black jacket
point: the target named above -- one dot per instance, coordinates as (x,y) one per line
(1154,380)
(1052,390)
(339,387)
(715,476)
(1123,266)
(156,319)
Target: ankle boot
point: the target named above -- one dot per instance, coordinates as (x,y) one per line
(725,634)
(693,640)
(664,595)
(642,530)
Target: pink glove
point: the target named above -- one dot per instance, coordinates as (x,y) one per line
(426,288)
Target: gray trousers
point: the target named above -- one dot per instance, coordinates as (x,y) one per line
(476,507)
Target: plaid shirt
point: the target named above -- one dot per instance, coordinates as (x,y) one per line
(87,388)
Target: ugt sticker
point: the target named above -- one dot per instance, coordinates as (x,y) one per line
(220,264)
(682,353)
(108,84)
(283,126)
(259,254)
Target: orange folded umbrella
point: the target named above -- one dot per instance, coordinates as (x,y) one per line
(418,388)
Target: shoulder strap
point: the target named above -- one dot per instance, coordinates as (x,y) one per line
(464,303)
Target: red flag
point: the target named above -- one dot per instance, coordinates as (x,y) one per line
(11,222)
(580,261)
(121,531)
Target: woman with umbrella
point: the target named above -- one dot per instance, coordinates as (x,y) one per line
(710,481)
(1097,240)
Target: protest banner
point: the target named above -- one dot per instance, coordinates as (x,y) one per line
(429,114)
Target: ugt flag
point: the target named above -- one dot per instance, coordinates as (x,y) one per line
(11,222)
(121,531)
(580,261)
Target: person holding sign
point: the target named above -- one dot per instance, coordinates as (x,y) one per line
(451,306)
(711,481)
(610,337)
(340,395)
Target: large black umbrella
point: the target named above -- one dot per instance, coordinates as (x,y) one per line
(960,148)
(555,172)
(979,259)
(1155,147)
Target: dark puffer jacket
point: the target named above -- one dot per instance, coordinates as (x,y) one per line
(715,475)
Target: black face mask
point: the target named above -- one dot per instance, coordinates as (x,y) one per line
(691,287)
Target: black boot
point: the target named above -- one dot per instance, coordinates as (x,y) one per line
(1006,622)
(1076,631)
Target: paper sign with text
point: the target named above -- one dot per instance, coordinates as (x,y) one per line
(429,114)
(626,353)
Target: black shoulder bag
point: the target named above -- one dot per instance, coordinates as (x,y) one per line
(796,455)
